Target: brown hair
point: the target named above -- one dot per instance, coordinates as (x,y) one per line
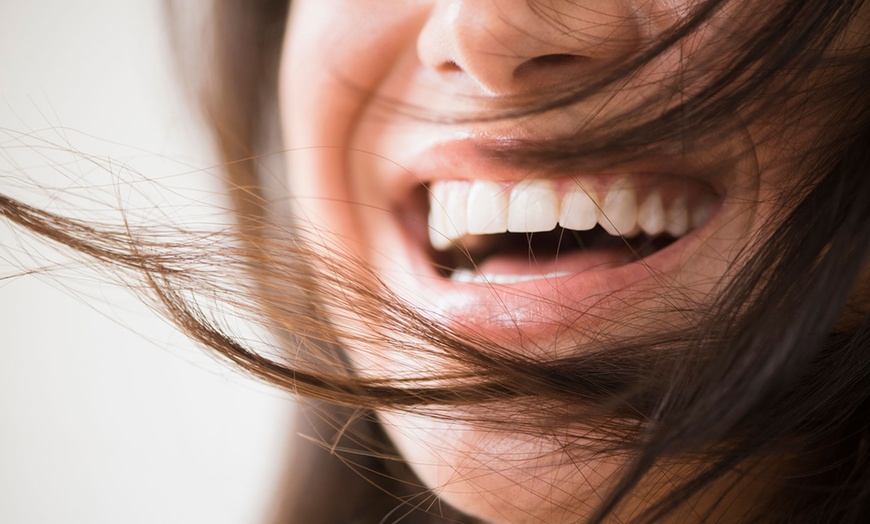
(767,371)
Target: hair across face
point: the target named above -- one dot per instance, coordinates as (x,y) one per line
(532,190)
(582,259)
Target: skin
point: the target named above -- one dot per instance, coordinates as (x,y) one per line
(354,160)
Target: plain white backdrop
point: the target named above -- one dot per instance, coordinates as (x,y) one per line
(107,414)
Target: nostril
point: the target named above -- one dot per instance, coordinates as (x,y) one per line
(551,69)
(449,66)
(553,60)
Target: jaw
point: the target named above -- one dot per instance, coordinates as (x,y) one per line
(501,477)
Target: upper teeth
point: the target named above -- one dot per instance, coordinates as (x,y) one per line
(461,207)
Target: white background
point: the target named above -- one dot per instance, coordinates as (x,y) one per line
(107,414)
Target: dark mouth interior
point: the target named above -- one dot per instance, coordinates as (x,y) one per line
(473,250)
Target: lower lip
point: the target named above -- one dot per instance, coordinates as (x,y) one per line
(516,269)
(516,303)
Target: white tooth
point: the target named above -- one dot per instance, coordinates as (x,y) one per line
(447,217)
(701,213)
(466,276)
(462,275)
(651,214)
(456,204)
(511,279)
(438,218)
(678,217)
(487,208)
(533,207)
(633,232)
(579,210)
(619,210)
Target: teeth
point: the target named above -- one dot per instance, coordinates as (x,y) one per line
(579,210)
(447,213)
(651,214)
(481,207)
(701,213)
(533,207)
(468,276)
(678,217)
(619,211)
(487,208)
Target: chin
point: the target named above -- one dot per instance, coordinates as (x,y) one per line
(501,477)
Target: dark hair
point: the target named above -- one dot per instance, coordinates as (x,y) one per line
(771,383)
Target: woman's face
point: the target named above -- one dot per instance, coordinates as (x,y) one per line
(388,162)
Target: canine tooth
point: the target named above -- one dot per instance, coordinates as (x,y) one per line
(533,207)
(678,217)
(464,276)
(701,213)
(579,210)
(651,214)
(439,241)
(487,208)
(633,232)
(447,215)
(455,206)
(437,218)
(619,210)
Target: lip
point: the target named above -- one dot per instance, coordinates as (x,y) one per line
(469,157)
(537,307)
(543,305)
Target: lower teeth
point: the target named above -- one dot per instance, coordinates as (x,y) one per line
(463,265)
(468,276)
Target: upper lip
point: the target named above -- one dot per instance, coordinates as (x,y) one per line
(483,158)
(471,158)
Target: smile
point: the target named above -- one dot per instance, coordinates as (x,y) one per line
(485,243)
(505,233)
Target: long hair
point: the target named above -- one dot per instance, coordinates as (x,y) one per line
(777,368)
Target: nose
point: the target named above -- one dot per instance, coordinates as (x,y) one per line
(510,47)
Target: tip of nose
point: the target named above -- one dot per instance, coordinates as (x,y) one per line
(511,49)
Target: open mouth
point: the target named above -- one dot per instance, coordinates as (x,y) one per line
(483,231)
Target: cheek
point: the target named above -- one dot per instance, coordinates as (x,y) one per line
(334,56)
